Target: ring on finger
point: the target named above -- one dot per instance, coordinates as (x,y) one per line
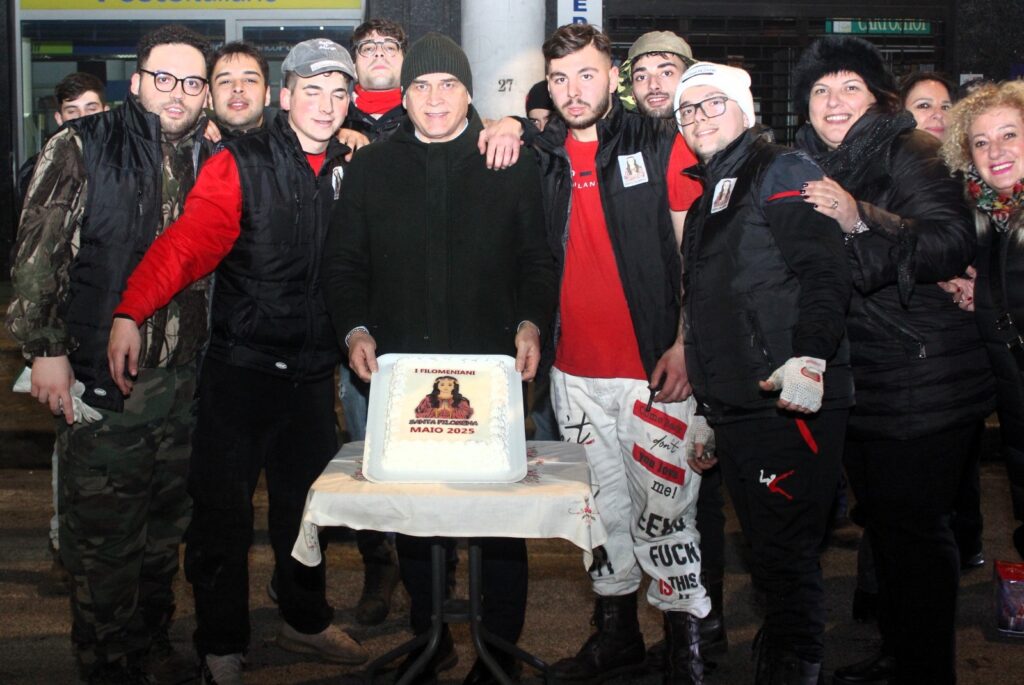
(835,203)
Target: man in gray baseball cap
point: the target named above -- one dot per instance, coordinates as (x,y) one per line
(257,217)
(314,57)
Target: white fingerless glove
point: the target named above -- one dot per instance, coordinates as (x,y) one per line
(699,433)
(801,381)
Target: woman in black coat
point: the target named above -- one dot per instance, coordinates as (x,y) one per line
(986,144)
(921,375)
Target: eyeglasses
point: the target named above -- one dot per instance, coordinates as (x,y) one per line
(165,83)
(368,48)
(712,107)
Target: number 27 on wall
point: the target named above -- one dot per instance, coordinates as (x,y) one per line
(504,85)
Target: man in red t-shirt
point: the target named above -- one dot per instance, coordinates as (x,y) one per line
(657,60)
(619,378)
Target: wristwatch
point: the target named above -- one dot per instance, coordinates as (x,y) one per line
(859,227)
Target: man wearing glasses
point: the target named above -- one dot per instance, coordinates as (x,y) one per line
(766,286)
(104,187)
(378,47)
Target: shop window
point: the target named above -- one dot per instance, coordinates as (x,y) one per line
(53,49)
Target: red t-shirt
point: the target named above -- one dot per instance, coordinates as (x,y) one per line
(683,190)
(597,338)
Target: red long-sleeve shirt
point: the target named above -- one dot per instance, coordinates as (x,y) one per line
(196,243)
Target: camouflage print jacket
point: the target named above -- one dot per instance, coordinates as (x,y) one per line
(104,188)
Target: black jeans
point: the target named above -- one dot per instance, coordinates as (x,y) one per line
(781,473)
(967,522)
(907,489)
(711,526)
(505,579)
(250,421)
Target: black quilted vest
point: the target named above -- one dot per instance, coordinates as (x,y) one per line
(123,214)
(268,312)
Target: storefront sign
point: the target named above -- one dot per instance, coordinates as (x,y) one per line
(191,5)
(908,27)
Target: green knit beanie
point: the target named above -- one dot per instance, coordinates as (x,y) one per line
(436,54)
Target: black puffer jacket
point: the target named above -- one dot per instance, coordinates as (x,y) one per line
(1005,252)
(765,280)
(638,219)
(918,362)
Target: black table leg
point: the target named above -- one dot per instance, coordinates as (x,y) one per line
(481,636)
(432,638)
(453,611)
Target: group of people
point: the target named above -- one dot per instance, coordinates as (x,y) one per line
(706,307)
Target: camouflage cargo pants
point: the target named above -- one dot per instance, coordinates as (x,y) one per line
(123,510)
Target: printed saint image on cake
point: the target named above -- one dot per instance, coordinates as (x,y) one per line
(444,401)
(446,419)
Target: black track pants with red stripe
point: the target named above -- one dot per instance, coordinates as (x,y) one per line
(781,473)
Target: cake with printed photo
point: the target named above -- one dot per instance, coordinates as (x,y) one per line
(446,418)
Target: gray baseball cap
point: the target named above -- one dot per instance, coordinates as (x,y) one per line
(318,56)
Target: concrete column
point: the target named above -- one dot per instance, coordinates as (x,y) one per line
(503,39)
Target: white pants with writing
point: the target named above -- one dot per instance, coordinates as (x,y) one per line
(644,492)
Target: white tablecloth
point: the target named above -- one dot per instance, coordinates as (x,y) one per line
(553,501)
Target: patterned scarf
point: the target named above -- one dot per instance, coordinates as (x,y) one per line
(1000,208)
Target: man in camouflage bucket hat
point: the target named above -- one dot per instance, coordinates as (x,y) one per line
(104,187)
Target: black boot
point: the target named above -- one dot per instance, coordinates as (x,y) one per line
(762,658)
(865,605)
(380,576)
(789,669)
(617,647)
(683,663)
(775,666)
(875,669)
(713,639)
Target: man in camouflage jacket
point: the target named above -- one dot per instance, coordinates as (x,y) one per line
(105,187)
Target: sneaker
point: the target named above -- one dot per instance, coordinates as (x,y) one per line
(222,669)
(972,562)
(332,644)
(166,666)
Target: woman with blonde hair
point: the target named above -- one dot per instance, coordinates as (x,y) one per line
(986,144)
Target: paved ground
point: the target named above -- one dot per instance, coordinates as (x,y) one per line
(35,648)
